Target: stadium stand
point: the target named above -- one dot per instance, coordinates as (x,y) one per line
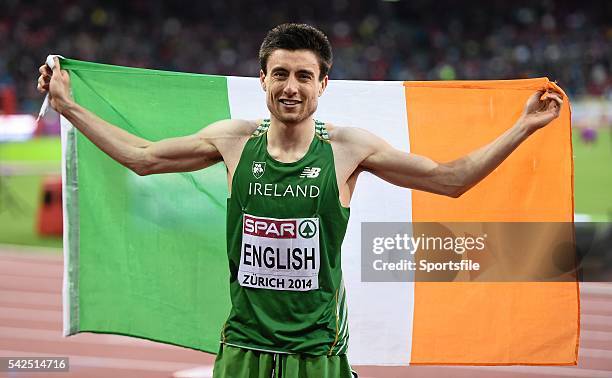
(568,41)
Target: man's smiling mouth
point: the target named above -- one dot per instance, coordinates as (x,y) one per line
(289,102)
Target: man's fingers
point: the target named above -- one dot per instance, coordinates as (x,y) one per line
(535,97)
(45,71)
(539,94)
(553,100)
(43,85)
(558,99)
(56,65)
(557,96)
(43,82)
(554,106)
(534,101)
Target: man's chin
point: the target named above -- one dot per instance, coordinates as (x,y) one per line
(290,118)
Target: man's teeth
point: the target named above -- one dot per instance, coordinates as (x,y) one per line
(290,102)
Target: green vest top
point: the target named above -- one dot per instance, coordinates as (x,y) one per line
(285,227)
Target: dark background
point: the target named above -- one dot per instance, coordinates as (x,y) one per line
(568,41)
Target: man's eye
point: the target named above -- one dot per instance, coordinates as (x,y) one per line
(280,74)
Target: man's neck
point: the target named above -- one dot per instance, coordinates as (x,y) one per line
(290,136)
(287,142)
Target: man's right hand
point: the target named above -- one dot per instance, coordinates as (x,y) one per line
(57,83)
(220,141)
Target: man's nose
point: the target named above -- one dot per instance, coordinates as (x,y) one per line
(291,87)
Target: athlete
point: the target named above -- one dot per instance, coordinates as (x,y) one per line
(290,179)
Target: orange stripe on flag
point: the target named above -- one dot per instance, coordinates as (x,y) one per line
(493,323)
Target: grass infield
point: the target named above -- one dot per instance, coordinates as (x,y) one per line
(20,192)
(44,149)
(593,176)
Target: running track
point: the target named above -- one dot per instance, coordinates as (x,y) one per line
(31,325)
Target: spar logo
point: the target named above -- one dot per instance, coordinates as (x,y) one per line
(279,228)
(258,168)
(307,229)
(270,228)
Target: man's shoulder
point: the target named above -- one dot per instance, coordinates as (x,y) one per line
(232,127)
(348,134)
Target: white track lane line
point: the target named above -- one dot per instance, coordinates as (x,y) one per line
(599,321)
(597,288)
(30,253)
(596,336)
(14,268)
(29,314)
(205,371)
(31,297)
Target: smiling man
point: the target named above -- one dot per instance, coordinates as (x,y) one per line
(291,179)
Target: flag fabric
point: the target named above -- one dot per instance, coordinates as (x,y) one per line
(146,256)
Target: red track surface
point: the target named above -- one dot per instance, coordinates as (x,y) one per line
(31,325)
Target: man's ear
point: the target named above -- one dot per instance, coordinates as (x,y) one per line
(262,79)
(323,85)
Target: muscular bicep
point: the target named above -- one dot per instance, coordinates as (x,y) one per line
(196,151)
(408,170)
(181,154)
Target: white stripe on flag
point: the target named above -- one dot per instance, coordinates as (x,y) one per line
(65,128)
(247,100)
(380,315)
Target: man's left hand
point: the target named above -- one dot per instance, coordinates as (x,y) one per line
(541,108)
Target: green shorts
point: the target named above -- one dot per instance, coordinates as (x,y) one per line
(233,362)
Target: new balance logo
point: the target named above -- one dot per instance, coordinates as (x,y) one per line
(310,172)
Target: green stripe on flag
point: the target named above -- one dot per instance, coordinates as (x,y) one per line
(151,251)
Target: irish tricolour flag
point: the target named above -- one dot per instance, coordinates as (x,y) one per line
(145,256)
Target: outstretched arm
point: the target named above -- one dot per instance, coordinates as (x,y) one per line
(456,177)
(140,155)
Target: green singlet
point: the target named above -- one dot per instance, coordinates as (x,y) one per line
(285,227)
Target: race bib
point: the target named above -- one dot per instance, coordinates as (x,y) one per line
(279,254)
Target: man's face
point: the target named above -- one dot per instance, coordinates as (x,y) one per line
(292,84)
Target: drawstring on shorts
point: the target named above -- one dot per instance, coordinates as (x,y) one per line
(277,370)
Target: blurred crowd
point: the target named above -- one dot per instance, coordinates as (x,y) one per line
(567,41)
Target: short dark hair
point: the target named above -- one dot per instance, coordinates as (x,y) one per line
(297,37)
